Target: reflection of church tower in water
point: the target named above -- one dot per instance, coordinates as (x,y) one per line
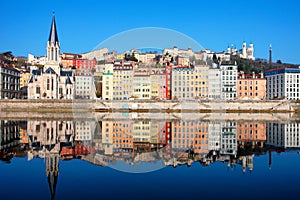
(52,149)
(52,171)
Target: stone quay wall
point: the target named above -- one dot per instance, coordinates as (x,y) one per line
(65,106)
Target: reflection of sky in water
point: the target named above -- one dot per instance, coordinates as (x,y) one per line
(140,167)
(82,180)
(149,37)
(271,175)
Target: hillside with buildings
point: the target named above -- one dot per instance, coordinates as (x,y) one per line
(172,74)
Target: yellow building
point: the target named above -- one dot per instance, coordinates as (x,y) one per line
(201,81)
(107,82)
(24,79)
(158,83)
(120,56)
(122,81)
(107,137)
(141,131)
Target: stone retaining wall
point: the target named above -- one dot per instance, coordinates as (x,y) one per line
(148,106)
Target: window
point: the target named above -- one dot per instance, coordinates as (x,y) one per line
(48,84)
(37,128)
(38,90)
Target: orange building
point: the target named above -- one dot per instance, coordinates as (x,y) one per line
(251,86)
(190,135)
(122,135)
(251,133)
(24,136)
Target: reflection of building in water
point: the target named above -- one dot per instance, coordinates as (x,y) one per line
(214,136)
(54,140)
(125,138)
(141,131)
(251,133)
(84,130)
(23,133)
(49,134)
(190,135)
(285,135)
(52,160)
(9,134)
(228,138)
(117,136)
(107,137)
(122,136)
(246,162)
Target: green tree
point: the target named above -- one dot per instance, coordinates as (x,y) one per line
(98,94)
(215,59)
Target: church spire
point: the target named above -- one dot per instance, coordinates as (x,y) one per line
(53,45)
(53,38)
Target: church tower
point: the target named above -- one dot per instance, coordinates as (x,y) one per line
(244,50)
(52,168)
(53,48)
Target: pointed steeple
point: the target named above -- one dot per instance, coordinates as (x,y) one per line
(53,38)
(52,168)
(53,45)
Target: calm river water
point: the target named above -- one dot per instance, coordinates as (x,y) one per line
(134,158)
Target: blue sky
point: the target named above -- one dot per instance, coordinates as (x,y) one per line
(82,25)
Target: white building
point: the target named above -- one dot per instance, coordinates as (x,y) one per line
(142,84)
(50,133)
(285,135)
(228,138)
(283,84)
(182,83)
(178,52)
(214,83)
(85,87)
(51,82)
(84,130)
(229,82)
(246,53)
(214,136)
(99,54)
(41,60)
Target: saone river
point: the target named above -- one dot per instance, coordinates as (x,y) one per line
(136,156)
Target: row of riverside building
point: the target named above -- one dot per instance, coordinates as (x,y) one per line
(123,80)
